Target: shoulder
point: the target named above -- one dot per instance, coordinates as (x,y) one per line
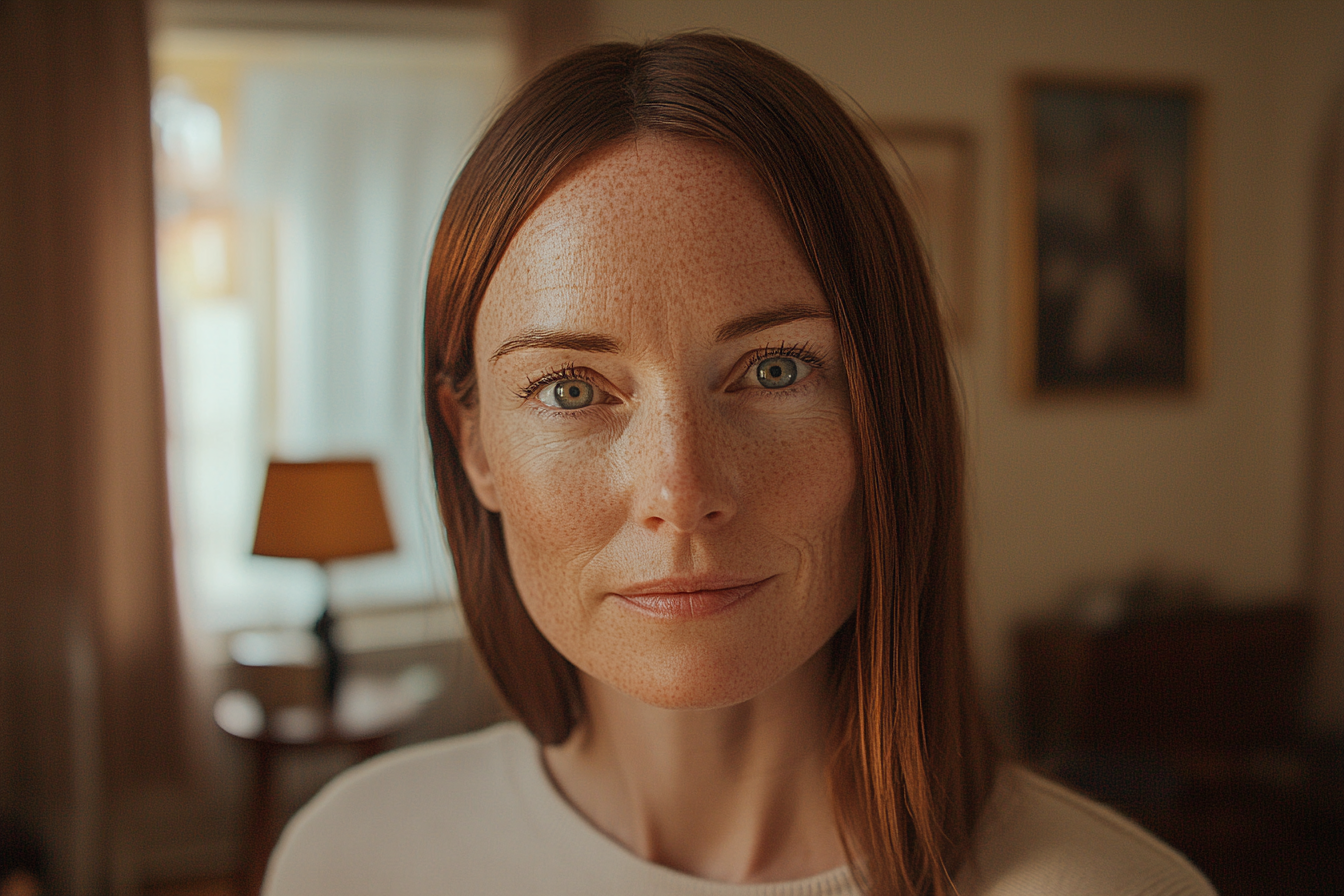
(468,769)
(385,822)
(1039,837)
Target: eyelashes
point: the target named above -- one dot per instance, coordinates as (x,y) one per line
(800,351)
(745,377)
(556,375)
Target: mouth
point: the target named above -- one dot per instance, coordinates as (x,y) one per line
(687,598)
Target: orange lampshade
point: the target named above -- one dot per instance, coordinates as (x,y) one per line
(322,511)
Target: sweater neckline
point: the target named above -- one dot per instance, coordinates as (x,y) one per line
(563,825)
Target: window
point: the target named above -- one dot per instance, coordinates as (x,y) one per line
(299,177)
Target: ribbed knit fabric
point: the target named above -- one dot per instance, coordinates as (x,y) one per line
(478,815)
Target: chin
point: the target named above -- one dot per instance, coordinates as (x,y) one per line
(697,681)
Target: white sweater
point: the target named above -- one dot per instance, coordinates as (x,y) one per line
(477,814)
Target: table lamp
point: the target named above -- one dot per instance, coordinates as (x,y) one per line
(323,511)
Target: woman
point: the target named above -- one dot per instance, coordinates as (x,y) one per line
(699,463)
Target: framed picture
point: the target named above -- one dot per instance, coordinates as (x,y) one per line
(934,167)
(1109,234)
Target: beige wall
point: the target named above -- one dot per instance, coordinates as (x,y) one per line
(1210,486)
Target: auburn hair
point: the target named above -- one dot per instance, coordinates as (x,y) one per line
(911,762)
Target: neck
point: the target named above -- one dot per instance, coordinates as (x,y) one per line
(737,794)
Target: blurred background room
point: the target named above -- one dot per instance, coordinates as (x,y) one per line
(214,224)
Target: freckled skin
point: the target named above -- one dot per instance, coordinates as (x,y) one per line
(685,465)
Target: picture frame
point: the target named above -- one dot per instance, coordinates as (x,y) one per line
(933,167)
(1110,261)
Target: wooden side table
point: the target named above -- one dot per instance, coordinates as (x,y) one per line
(367,716)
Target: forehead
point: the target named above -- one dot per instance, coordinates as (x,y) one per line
(659,228)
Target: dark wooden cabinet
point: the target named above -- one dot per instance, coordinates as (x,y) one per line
(1192,723)
(1191,681)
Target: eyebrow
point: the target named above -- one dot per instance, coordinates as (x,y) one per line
(578,342)
(596,342)
(764,320)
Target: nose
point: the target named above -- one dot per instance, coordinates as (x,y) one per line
(683,474)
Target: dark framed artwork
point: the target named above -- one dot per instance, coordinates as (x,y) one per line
(1109,237)
(934,167)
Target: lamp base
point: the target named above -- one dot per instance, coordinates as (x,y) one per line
(325,629)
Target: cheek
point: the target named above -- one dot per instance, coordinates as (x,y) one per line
(803,483)
(812,506)
(557,507)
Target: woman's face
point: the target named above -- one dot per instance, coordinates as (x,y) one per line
(664,428)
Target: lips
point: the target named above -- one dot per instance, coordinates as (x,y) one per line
(687,598)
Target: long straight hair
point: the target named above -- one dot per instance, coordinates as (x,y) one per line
(911,762)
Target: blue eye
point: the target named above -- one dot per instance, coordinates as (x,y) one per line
(777,373)
(568,395)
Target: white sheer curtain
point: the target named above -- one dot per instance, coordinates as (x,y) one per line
(340,171)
